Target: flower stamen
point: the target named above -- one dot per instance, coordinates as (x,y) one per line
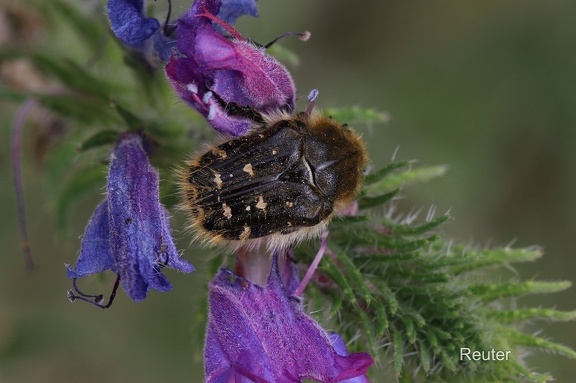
(312,96)
(96,300)
(227,27)
(302,36)
(168,29)
(314,265)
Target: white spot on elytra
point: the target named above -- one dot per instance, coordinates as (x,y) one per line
(245,233)
(248,208)
(248,169)
(227,210)
(261,204)
(274,151)
(218,180)
(220,153)
(289,203)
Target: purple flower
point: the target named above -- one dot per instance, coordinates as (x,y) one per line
(340,348)
(230,10)
(228,79)
(146,36)
(129,232)
(260,334)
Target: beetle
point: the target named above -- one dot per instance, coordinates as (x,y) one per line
(277,185)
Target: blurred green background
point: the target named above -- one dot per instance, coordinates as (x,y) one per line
(488,88)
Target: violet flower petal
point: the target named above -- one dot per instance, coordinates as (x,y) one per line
(140,33)
(95,256)
(214,70)
(230,10)
(140,238)
(340,348)
(129,233)
(262,335)
(128,21)
(289,273)
(145,35)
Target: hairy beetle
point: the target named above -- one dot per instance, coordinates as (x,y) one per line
(281,183)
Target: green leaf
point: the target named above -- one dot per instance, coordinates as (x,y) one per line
(91,33)
(132,121)
(334,273)
(368,202)
(103,137)
(381,173)
(284,55)
(381,321)
(425,357)
(398,347)
(493,291)
(419,229)
(83,181)
(525,314)
(12,95)
(397,180)
(531,341)
(75,77)
(83,110)
(76,107)
(352,219)
(353,275)
(356,115)
(475,259)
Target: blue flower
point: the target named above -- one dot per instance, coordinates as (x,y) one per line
(227,78)
(260,334)
(129,232)
(230,10)
(144,35)
(147,37)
